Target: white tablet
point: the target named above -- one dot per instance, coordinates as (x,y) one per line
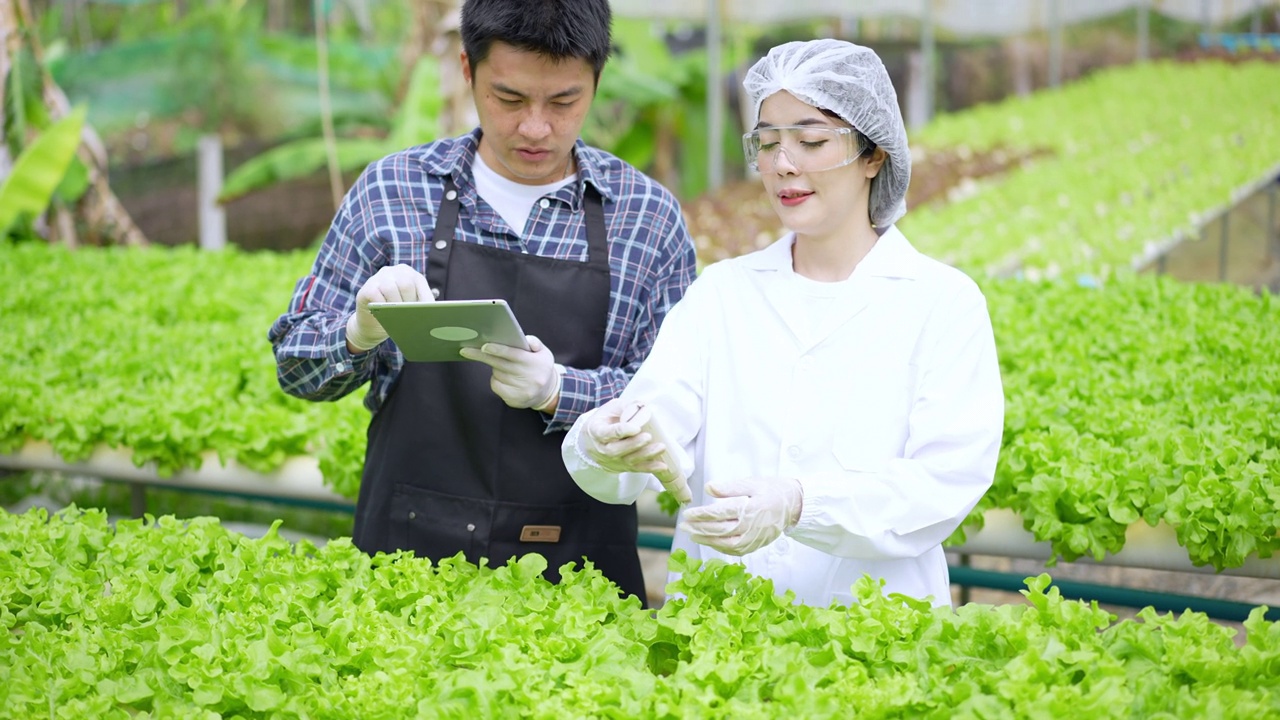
(436,331)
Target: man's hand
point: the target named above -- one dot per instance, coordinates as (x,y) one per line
(750,514)
(523,379)
(394,283)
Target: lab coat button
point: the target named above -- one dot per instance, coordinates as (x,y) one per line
(544,203)
(794,451)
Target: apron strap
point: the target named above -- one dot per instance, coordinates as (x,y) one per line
(442,241)
(597,232)
(447,225)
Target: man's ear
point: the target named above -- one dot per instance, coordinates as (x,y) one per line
(876,161)
(466,69)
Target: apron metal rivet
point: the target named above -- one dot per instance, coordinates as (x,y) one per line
(471,527)
(452,195)
(435,292)
(412,515)
(440,244)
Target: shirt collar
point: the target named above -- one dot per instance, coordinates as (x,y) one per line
(891,256)
(454,159)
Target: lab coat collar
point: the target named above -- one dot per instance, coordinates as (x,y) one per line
(892,256)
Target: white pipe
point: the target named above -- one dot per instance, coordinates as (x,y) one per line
(213,219)
(299,478)
(1154,548)
(715,103)
(1144,30)
(1003,536)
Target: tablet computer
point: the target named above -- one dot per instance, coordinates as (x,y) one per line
(436,331)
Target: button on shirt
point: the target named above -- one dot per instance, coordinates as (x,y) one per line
(388,217)
(887,407)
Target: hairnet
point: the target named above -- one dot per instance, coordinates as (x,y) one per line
(850,81)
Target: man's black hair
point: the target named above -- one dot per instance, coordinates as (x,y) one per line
(558,29)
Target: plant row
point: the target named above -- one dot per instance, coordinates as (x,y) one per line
(1142,400)
(160,618)
(1136,155)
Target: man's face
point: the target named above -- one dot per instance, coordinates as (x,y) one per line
(531,111)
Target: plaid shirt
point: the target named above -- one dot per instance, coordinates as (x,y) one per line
(388,217)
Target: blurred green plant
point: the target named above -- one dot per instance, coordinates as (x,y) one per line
(651,107)
(212,71)
(415,122)
(42,173)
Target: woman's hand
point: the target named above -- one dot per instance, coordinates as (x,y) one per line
(749,514)
(624,437)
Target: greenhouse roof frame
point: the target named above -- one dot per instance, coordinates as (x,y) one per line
(964,18)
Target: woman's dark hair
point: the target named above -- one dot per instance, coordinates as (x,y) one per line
(558,29)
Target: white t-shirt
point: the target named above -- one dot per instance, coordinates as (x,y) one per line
(512,200)
(815,300)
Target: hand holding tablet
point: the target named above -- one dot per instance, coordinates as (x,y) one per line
(437,331)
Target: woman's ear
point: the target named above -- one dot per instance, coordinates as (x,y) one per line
(876,161)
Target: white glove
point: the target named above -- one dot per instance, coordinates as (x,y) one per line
(631,446)
(394,283)
(523,379)
(751,513)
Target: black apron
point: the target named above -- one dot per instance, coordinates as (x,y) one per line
(451,468)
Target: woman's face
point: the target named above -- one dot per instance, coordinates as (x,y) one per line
(816,203)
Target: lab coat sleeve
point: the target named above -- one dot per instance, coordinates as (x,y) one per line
(671,382)
(601,484)
(906,506)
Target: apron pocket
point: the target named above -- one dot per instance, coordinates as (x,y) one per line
(437,526)
(605,534)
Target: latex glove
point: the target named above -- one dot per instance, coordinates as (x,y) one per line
(394,283)
(522,378)
(749,514)
(622,446)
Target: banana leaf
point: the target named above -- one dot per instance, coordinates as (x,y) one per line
(39,170)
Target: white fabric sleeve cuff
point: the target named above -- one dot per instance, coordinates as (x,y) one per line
(601,484)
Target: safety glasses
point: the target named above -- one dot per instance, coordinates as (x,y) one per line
(807,148)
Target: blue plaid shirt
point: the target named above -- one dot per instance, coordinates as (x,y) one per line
(388,217)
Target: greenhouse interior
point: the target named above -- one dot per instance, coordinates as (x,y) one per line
(204,512)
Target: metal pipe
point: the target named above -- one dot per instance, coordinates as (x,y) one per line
(968,577)
(928,51)
(1112,595)
(715,107)
(1055,44)
(138,500)
(1272,233)
(298,477)
(1224,238)
(1144,30)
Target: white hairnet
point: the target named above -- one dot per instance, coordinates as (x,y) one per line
(850,81)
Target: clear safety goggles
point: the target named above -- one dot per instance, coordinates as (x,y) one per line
(808,148)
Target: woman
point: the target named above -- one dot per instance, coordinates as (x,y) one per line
(835,398)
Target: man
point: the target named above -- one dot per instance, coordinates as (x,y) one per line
(589,253)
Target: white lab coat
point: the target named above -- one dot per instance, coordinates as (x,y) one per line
(888,410)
